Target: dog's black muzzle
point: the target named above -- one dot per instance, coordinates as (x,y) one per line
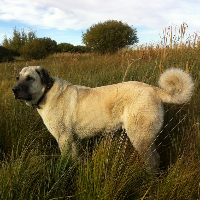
(21,92)
(16,89)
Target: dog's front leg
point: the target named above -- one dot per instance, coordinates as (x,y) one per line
(68,145)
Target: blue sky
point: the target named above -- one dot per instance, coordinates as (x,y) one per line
(66,20)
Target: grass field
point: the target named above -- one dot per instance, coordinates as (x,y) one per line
(30,163)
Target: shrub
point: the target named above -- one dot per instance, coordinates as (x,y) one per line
(49,44)
(110,36)
(34,50)
(5,54)
(65,47)
(82,49)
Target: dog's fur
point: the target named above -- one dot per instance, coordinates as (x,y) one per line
(71,111)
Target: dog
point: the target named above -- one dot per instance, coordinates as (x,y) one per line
(72,111)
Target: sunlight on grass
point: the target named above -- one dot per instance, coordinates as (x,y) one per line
(30,162)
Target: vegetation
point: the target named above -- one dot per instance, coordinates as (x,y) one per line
(109,36)
(29,47)
(109,168)
(17,41)
(66,47)
(33,50)
(5,54)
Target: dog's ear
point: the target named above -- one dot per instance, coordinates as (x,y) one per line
(44,75)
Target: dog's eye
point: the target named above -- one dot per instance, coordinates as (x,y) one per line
(17,78)
(29,78)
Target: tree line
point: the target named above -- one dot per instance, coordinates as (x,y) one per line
(29,47)
(106,37)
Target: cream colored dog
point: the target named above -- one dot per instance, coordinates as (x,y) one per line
(71,111)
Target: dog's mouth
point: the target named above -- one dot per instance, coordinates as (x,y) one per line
(21,93)
(21,98)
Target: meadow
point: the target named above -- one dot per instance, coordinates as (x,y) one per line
(109,168)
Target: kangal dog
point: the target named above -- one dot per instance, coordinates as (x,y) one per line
(71,111)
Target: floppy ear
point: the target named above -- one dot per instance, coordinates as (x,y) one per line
(44,75)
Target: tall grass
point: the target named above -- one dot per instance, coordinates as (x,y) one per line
(113,172)
(109,168)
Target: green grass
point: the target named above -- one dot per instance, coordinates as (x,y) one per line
(30,163)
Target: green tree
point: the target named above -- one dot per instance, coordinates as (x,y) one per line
(110,36)
(5,42)
(49,44)
(65,47)
(5,54)
(82,49)
(34,49)
(18,39)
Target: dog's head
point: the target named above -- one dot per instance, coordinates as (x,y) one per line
(31,84)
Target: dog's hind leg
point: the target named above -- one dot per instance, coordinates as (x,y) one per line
(142,133)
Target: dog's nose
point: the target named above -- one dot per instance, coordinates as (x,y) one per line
(16,89)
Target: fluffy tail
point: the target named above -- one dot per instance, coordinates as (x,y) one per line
(176,86)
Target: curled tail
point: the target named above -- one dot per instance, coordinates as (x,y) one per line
(176,86)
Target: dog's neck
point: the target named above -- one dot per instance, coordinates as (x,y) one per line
(48,87)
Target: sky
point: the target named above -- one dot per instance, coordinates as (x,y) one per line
(66,20)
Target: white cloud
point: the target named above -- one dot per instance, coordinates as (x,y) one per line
(81,14)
